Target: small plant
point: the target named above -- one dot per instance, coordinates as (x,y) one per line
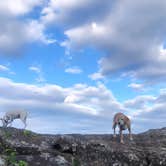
(11,158)
(22,163)
(27,133)
(76,162)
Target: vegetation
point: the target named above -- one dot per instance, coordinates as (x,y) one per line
(76,162)
(11,158)
(27,133)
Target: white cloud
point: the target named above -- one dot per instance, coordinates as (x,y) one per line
(18,28)
(96,76)
(142,54)
(162,53)
(18,7)
(86,34)
(89,102)
(35,69)
(136,86)
(4,68)
(35,32)
(104,103)
(40,78)
(140,102)
(15,34)
(50,97)
(85,106)
(149,110)
(131,45)
(73,70)
(73,13)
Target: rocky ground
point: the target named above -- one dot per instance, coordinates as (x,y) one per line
(25,148)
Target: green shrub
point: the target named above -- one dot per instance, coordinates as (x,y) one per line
(76,162)
(22,163)
(27,133)
(11,158)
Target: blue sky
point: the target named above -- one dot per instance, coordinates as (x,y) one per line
(74,64)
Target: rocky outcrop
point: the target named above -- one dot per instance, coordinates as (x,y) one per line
(22,148)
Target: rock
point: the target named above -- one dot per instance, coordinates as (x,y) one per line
(147,149)
(2,161)
(61,161)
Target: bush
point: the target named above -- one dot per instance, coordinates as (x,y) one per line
(11,158)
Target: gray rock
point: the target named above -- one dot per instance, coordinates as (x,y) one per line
(147,149)
(2,161)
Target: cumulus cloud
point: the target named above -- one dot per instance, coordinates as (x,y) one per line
(80,102)
(84,108)
(35,32)
(18,28)
(54,97)
(15,34)
(73,13)
(140,102)
(19,7)
(78,37)
(104,103)
(131,33)
(148,111)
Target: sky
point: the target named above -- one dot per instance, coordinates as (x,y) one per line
(73,64)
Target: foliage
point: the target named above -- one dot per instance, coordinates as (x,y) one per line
(27,133)
(11,158)
(22,163)
(76,162)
